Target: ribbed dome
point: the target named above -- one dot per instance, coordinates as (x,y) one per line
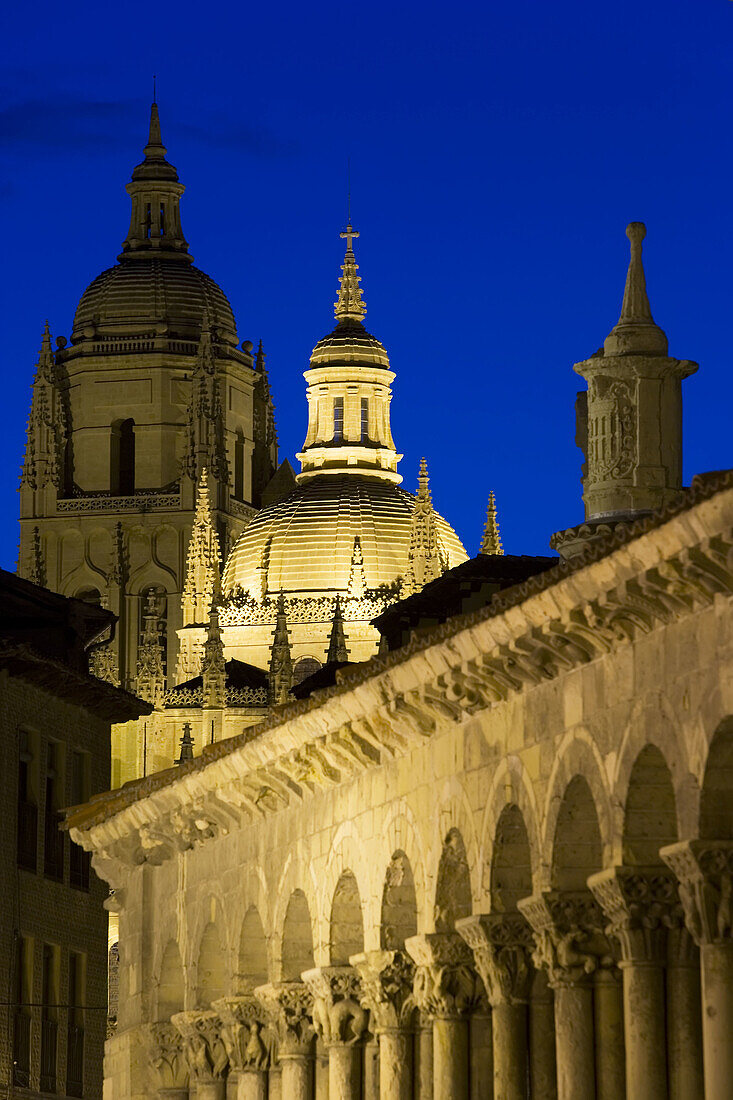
(142,293)
(349,343)
(307,540)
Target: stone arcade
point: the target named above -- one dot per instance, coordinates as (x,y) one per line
(497,861)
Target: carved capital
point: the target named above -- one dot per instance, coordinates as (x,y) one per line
(502,945)
(704,871)
(338,1016)
(243,1032)
(446,984)
(167,1056)
(203,1044)
(288,1006)
(640,905)
(386,987)
(570,942)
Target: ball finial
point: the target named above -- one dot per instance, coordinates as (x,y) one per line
(636,232)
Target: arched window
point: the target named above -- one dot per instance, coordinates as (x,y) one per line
(306,666)
(122,458)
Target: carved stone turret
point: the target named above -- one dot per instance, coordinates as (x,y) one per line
(213,665)
(205,446)
(44,463)
(264,456)
(337,649)
(424,561)
(491,542)
(281,663)
(150,681)
(629,423)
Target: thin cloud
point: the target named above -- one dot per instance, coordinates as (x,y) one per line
(79,125)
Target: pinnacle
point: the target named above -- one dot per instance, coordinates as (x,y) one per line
(155,140)
(635,333)
(491,542)
(350,305)
(337,650)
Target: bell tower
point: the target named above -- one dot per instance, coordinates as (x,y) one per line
(152,389)
(629,421)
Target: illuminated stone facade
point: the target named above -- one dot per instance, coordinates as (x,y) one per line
(496,861)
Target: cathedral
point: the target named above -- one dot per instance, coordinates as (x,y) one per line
(151,485)
(401,824)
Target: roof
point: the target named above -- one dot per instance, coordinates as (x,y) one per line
(324,677)
(107,805)
(45,639)
(246,685)
(467,587)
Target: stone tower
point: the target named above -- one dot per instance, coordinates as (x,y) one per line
(152,388)
(629,422)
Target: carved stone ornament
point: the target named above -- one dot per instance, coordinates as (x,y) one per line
(167,1055)
(446,984)
(640,904)
(244,1032)
(386,988)
(338,1017)
(502,945)
(203,1045)
(570,941)
(288,1007)
(704,871)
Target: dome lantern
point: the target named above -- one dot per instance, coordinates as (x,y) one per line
(155,190)
(349,391)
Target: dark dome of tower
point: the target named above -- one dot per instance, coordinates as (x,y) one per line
(153,294)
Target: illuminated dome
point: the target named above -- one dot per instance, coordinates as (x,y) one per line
(153,290)
(305,543)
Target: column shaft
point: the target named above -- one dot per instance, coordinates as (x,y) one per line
(211,1090)
(344,1071)
(321,1074)
(424,1072)
(716,964)
(450,1059)
(542,1064)
(372,1059)
(510,1051)
(395,1065)
(684,1031)
(644,1028)
(481,1054)
(252,1085)
(609,1036)
(275,1083)
(574,1042)
(296,1077)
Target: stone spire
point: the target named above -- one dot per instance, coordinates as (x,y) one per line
(491,542)
(186,745)
(281,663)
(155,223)
(424,560)
(350,305)
(635,332)
(337,650)
(47,425)
(357,585)
(629,422)
(205,445)
(35,566)
(150,680)
(213,665)
(202,587)
(264,457)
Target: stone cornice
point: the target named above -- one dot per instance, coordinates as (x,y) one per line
(676,563)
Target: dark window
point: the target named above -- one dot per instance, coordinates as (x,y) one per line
(27,805)
(49,1018)
(162,219)
(148,221)
(22,1015)
(364,419)
(338,419)
(79,859)
(306,666)
(239,468)
(53,846)
(75,1045)
(122,458)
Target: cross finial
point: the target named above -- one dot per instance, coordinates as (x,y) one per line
(349,233)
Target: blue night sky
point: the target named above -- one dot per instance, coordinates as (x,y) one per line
(498,150)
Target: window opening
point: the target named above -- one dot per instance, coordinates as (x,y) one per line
(53,854)
(122,458)
(22,1021)
(338,419)
(49,1017)
(79,860)
(148,221)
(75,1039)
(27,804)
(364,419)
